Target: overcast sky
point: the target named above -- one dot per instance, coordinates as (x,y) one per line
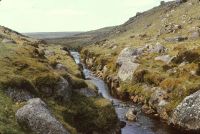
(68,15)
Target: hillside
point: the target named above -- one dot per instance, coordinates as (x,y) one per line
(154,59)
(41,91)
(50,35)
(81,39)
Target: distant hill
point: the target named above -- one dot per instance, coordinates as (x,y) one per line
(76,40)
(51,35)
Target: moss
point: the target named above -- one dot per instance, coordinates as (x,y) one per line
(91,86)
(19,82)
(135,89)
(8,123)
(90,114)
(75,82)
(153,78)
(46,81)
(58,110)
(138,76)
(170,83)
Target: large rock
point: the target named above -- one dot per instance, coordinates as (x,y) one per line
(187,113)
(128,55)
(126,70)
(36,117)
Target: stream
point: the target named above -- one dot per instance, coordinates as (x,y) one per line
(144,124)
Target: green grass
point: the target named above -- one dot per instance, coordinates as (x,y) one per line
(90,114)
(8,123)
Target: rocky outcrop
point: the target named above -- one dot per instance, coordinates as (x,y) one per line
(128,55)
(126,70)
(187,113)
(35,117)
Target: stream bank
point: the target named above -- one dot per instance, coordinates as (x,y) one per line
(144,124)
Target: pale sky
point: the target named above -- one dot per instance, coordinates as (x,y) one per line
(68,15)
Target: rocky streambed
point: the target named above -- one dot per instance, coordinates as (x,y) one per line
(142,124)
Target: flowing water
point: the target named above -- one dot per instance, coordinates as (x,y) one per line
(144,124)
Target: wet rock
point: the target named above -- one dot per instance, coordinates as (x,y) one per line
(148,110)
(126,70)
(122,124)
(164,58)
(131,115)
(187,113)
(158,97)
(36,117)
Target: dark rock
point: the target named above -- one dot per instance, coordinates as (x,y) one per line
(181,1)
(162,3)
(19,95)
(122,124)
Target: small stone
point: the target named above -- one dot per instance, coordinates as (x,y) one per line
(131,115)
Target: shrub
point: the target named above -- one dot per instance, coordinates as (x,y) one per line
(187,56)
(153,78)
(19,82)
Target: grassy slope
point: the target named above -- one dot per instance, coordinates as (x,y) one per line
(182,82)
(24,67)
